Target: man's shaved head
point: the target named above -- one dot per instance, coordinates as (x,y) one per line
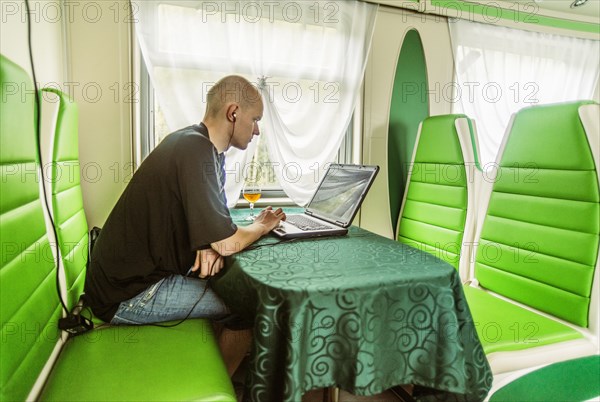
(232,88)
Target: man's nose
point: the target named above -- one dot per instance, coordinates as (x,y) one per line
(256,129)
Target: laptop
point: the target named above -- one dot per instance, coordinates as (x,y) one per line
(334,204)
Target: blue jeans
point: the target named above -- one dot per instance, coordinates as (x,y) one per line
(172,298)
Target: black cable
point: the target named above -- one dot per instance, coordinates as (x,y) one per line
(89,310)
(71,323)
(257,246)
(195,304)
(188,314)
(39,152)
(206,288)
(231,136)
(250,248)
(301,239)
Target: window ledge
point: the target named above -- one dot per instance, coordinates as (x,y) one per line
(265,202)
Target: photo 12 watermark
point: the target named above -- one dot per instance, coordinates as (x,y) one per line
(315,12)
(271,91)
(56,12)
(472,92)
(77,91)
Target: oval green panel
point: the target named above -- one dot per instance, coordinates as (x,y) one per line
(409,106)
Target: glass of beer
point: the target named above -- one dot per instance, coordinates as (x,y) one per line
(251,193)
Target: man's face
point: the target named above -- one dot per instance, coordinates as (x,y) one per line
(246,125)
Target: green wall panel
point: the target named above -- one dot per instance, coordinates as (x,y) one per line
(409,106)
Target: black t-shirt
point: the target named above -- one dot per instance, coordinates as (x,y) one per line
(173,206)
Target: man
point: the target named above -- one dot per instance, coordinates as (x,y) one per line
(171,228)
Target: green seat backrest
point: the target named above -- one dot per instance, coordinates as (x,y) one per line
(29,304)
(539,239)
(434,216)
(66,196)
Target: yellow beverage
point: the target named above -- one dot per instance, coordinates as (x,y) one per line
(252,197)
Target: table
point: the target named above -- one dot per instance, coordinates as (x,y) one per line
(361,312)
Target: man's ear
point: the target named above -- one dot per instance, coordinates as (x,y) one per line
(231,112)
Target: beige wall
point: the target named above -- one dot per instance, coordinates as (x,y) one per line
(83,49)
(47,37)
(391,27)
(98,42)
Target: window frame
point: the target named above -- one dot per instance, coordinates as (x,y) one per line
(348,152)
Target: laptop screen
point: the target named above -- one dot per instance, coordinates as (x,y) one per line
(341,192)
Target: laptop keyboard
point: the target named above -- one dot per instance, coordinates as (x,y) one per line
(304,223)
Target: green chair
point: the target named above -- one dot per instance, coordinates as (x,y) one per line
(437,210)
(534,297)
(139,363)
(29,307)
(571,380)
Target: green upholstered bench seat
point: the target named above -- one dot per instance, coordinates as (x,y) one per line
(571,380)
(145,363)
(503,326)
(123,363)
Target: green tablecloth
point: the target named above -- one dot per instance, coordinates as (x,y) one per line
(360,312)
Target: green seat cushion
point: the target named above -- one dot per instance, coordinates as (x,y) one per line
(503,326)
(141,363)
(571,380)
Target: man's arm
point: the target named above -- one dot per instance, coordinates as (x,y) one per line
(266,221)
(210,261)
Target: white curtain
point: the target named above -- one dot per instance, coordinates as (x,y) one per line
(306,57)
(501,70)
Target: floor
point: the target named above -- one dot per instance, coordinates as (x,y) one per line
(317,395)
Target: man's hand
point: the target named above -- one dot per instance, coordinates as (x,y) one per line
(267,220)
(208,262)
(270,218)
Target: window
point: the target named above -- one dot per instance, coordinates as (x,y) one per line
(308,63)
(154,128)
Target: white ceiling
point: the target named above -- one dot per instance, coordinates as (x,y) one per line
(591,9)
(588,12)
